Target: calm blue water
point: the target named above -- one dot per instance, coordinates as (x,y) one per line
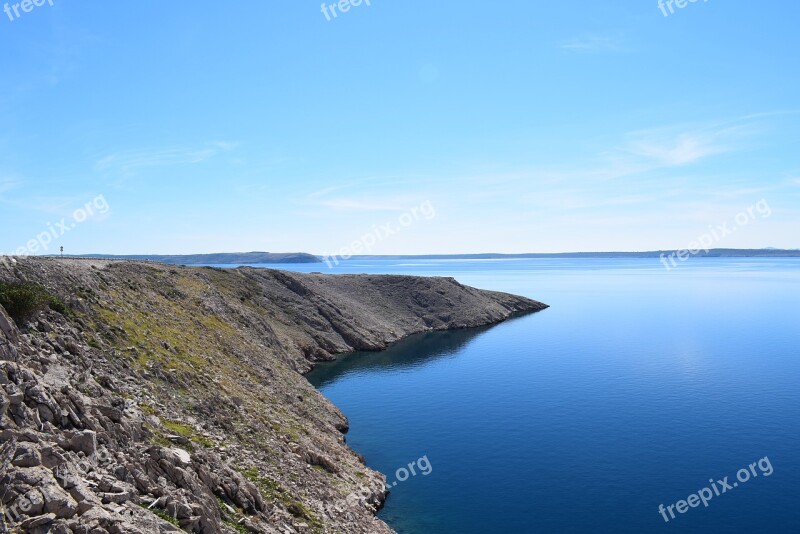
(631,391)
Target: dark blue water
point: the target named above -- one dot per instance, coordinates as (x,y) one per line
(634,389)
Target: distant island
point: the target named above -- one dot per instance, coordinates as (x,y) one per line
(231,258)
(253,258)
(713,253)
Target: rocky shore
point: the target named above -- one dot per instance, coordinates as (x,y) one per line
(143,398)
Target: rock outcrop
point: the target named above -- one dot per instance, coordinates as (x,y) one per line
(167,398)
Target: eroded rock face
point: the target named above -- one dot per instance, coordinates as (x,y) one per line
(173,398)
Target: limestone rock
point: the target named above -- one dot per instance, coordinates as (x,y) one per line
(180,390)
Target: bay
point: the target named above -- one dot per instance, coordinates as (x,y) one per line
(633,390)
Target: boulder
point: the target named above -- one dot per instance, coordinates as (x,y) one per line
(26,455)
(85,442)
(58,502)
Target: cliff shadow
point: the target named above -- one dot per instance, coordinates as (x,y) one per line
(413,351)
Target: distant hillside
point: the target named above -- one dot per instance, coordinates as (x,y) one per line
(244,258)
(714,253)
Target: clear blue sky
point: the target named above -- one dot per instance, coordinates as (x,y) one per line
(528,126)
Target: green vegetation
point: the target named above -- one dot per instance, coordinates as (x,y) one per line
(169,332)
(147,408)
(158,437)
(321,470)
(274,492)
(166,517)
(187,432)
(24,301)
(161,514)
(230,519)
(236,526)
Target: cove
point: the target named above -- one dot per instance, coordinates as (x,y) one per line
(631,391)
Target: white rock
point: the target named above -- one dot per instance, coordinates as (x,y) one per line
(182,455)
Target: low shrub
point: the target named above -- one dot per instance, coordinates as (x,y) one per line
(24,301)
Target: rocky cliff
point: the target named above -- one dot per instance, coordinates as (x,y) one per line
(142,398)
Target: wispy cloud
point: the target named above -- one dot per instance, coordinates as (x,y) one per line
(684,144)
(125,163)
(682,150)
(8,184)
(746,192)
(643,171)
(54,205)
(225,145)
(360,204)
(360,196)
(592,44)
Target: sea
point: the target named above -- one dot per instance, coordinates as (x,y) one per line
(643,400)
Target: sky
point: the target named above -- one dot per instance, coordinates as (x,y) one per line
(179,127)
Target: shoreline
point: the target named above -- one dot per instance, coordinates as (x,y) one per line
(202,370)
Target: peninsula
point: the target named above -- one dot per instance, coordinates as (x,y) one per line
(142,397)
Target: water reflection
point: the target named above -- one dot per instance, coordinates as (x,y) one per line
(412,351)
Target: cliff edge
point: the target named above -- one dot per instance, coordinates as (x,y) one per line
(142,398)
